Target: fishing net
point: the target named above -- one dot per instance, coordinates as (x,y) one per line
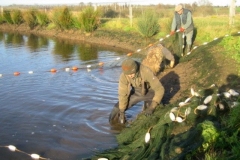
(193,126)
(176,130)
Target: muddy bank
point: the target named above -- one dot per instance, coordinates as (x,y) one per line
(100,37)
(202,68)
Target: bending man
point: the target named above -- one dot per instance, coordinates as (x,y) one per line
(156,57)
(136,83)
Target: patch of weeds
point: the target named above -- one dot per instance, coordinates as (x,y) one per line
(51,26)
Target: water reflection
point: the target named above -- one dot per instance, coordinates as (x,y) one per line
(1,36)
(61,116)
(14,39)
(43,42)
(34,42)
(64,49)
(87,52)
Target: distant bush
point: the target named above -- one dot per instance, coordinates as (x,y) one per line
(7,17)
(76,23)
(1,19)
(30,18)
(111,14)
(62,18)
(89,19)
(147,24)
(16,17)
(42,19)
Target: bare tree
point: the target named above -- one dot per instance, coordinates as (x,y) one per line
(204,3)
(205,8)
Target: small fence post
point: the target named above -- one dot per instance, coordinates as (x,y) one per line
(130,15)
(1,10)
(232,12)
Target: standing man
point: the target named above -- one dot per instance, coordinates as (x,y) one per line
(136,83)
(183,22)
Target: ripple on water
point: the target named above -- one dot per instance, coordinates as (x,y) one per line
(63,115)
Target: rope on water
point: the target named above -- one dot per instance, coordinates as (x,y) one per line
(107,63)
(33,156)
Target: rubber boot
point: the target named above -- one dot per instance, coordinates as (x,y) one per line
(144,107)
(122,117)
(181,44)
(181,47)
(114,115)
(188,48)
(146,104)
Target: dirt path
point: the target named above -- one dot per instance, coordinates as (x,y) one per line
(176,80)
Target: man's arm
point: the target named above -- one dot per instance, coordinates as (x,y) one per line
(123,92)
(167,54)
(155,84)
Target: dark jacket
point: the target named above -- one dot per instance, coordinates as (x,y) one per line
(143,74)
(184,20)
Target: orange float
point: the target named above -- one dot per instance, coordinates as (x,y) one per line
(74,68)
(129,54)
(16,73)
(100,63)
(150,45)
(53,70)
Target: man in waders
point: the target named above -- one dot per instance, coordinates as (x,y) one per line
(136,83)
(183,22)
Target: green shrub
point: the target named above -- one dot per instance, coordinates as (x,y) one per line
(16,17)
(62,18)
(147,24)
(7,16)
(1,19)
(76,23)
(42,18)
(234,120)
(209,134)
(89,19)
(227,145)
(30,18)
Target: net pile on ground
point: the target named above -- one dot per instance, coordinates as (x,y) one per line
(176,130)
(172,139)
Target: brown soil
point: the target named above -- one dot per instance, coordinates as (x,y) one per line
(175,81)
(72,35)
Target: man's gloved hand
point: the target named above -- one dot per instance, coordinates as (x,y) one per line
(122,117)
(149,111)
(172,33)
(172,64)
(181,29)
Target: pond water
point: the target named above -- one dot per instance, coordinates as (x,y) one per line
(61,115)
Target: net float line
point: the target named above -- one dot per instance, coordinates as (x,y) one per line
(102,64)
(33,155)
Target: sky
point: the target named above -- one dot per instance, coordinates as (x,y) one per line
(71,2)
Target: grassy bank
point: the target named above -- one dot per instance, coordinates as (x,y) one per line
(203,134)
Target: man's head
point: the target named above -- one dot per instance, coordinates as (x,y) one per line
(179,9)
(129,66)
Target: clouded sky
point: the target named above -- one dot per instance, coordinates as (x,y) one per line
(68,2)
